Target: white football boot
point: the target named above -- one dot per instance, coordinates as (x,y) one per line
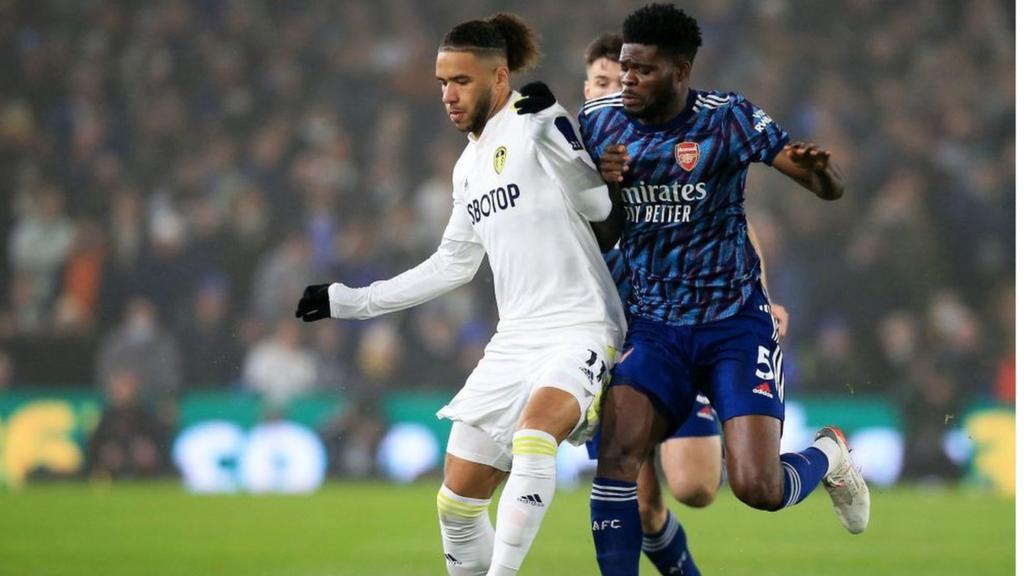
(845,484)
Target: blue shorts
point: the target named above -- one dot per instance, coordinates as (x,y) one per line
(701,422)
(736,362)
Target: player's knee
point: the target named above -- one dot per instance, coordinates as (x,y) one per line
(759,497)
(459,515)
(757,489)
(695,494)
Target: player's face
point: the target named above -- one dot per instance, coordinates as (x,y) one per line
(468,86)
(653,84)
(602,79)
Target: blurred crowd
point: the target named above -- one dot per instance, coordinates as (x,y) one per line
(174,173)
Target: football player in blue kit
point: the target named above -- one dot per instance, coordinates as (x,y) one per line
(676,159)
(691,457)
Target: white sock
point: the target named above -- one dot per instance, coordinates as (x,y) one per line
(466,533)
(833,451)
(527,495)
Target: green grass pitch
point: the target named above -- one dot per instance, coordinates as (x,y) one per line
(380,529)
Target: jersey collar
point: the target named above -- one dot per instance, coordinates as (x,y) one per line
(676,122)
(494,121)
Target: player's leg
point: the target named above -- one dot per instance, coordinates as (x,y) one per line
(693,468)
(664,540)
(692,457)
(548,418)
(769,482)
(746,382)
(755,470)
(651,393)
(692,462)
(474,467)
(653,511)
(630,428)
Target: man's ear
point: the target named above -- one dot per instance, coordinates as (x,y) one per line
(683,68)
(502,78)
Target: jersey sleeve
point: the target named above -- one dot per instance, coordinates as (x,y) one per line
(752,134)
(587,133)
(460,227)
(561,153)
(455,262)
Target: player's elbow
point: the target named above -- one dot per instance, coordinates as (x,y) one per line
(460,273)
(834,193)
(597,210)
(458,262)
(828,186)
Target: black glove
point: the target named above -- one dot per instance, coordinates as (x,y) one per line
(536,97)
(314,304)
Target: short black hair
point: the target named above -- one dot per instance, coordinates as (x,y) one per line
(607,45)
(502,33)
(664,26)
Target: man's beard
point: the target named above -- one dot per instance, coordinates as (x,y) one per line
(656,106)
(479,118)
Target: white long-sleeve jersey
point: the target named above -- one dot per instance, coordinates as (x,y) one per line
(523,193)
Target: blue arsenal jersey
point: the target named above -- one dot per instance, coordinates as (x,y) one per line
(685,242)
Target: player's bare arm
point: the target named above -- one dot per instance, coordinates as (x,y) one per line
(811,166)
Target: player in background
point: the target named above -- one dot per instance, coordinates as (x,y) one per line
(700,319)
(524,194)
(692,456)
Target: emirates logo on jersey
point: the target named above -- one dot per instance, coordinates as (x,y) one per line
(687,155)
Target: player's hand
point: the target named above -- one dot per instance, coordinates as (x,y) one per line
(808,156)
(781,319)
(314,304)
(536,97)
(613,163)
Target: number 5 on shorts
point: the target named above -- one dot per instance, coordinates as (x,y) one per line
(772,367)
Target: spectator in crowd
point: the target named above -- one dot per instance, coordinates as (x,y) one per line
(352,438)
(279,368)
(330,339)
(78,304)
(144,346)
(280,271)
(39,243)
(6,371)
(210,350)
(379,357)
(128,441)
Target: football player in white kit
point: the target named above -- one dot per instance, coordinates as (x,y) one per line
(524,193)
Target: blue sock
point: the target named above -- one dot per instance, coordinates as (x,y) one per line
(667,549)
(615,523)
(802,472)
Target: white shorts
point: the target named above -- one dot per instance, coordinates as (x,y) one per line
(576,361)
